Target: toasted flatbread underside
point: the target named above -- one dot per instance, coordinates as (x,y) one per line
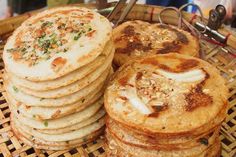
(139,39)
(56,42)
(167,95)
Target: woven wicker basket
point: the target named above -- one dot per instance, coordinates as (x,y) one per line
(225,62)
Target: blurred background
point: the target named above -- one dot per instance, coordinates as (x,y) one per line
(10,8)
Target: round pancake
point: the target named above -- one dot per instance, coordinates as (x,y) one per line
(40,144)
(43,113)
(72,135)
(78,86)
(169,94)
(51,102)
(139,39)
(56,42)
(100,114)
(181,138)
(140,152)
(87,70)
(113,150)
(165,144)
(63,121)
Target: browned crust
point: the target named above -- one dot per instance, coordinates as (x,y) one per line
(186,64)
(174,45)
(196,100)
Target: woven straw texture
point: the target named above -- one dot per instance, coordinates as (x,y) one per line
(223,60)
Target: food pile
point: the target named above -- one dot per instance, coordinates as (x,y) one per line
(164,106)
(57,64)
(163,101)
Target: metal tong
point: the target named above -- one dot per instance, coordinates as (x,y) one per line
(117,9)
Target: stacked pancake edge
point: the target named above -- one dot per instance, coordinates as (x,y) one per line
(57,64)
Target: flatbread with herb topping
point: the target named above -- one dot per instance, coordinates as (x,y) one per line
(80,74)
(56,42)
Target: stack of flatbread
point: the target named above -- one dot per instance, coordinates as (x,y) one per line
(163,106)
(139,39)
(57,64)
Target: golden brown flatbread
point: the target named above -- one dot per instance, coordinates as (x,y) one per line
(139,39)
(167,95)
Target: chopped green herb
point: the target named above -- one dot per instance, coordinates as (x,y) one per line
(53,35)
(45,123)
(24,49)
(77,37)
(34,116)
(90,29)
(35,63)
(43,36)
(15,89)
(65,50)
(11,50)
(203,141)
(47,23)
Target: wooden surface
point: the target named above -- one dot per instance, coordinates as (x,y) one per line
(225,62)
